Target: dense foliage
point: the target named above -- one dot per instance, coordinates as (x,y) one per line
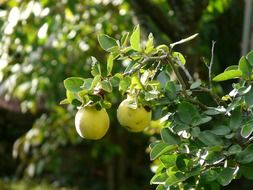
(203,144)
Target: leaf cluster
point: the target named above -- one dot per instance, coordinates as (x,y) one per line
(201,145)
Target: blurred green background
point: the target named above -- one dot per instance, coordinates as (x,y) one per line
(43,42)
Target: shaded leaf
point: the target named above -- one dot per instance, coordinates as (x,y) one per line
(220,130)
(246,170)
(234,149)
(236,119)
(186,112)
(196,84)
(163,78)
(210,139)
(245,156)
(159,149)
(169,137)
(226,176)
(247,129)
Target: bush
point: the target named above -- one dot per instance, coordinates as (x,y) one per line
(205,136)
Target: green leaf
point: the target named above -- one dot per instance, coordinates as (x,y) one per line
(114,81)
(245,68)
(70,96)
(124,39)
(110,60)
(169,137)
(226,75)
(136,83)
(214,157)
(82,93)
(76,102)
(226,176)
(214,111)
(124,84)
(95,81)
(159,149)
(201,120)
(160,187)
(210,139)
(245,156)
(246,170)
(73,84)
(168,160)
(249,98)
(106,42)
(95,98)
(232,67)
(234,149)
(247,130)
(159,178)
(220,130)
(195,84)
(209,175)
(186,112)
(135,39)
(106,86)
(106,104)
(249,57)
(181,163)
(195,131)
(150,44)
(236,119)
(87,83)
(180,127)
(95,67)
(179,56)
(163,47)
(174,178)
(171,90)
(163,78)
(65,101)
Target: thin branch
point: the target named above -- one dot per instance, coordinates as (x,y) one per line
(141,64)
(156,69)
(134,70)
(184,40)
(188,75)
(215,97)
(179,77)
(211,66)
(196,102)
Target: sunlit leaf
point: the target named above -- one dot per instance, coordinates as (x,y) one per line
(73,84)
(226,75)
(150,44)
(135,39)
